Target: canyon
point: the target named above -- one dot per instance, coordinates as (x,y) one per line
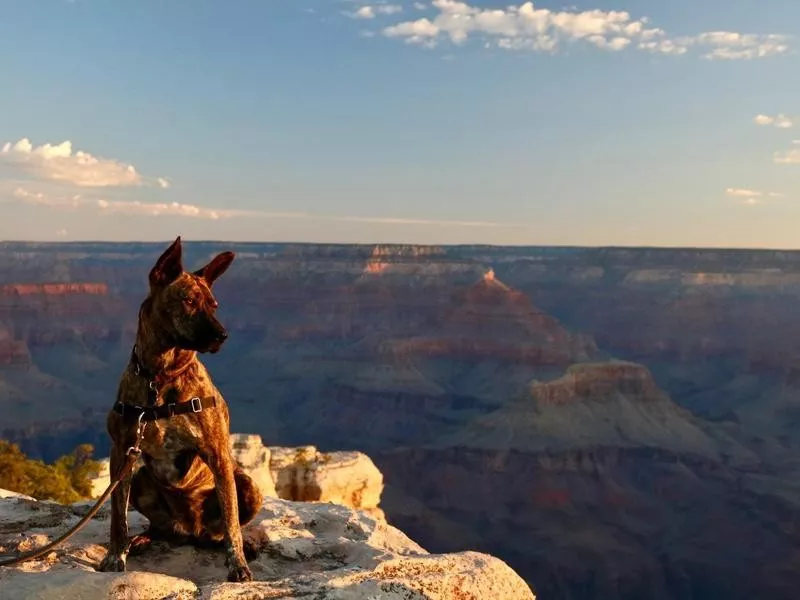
(613,423)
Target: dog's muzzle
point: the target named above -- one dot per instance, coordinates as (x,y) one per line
(215,336)
(217,342)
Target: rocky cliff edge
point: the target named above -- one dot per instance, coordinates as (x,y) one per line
(312,549)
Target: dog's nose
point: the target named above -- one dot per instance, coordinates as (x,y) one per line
(222,335)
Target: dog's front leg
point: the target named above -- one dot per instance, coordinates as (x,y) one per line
(118,548)
(221,464)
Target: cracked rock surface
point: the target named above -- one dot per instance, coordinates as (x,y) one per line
(309,550)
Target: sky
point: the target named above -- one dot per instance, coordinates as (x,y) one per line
(600,122)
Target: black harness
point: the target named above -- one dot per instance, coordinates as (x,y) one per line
(153,411)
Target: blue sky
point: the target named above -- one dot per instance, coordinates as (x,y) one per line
(592,123)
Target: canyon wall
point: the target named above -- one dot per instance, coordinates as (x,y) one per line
(615,423)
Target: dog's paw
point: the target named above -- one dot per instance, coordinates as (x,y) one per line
(251,549)
(112,563)
(240,574)
(140,543)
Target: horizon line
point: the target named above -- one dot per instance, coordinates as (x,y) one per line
(409,244)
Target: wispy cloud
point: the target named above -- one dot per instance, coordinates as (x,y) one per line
(739,192)
(780,121)
(751,201)
(61,163)
(42,199)
(526,27)
(730,45)
(788,157)
(128,207)
(750,197)
(103,206)
(370,11)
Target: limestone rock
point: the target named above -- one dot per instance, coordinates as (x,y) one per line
(254,457)
(308,550)
(346,478)
(10,494)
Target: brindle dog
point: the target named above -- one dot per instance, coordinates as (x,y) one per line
(189,486)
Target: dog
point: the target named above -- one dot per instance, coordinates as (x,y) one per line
(188,486)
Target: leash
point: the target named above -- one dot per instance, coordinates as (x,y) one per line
(131,457)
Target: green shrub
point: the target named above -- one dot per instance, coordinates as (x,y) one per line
(67,480)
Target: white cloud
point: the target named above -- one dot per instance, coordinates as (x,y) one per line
(742,192)
(157,209)
(664,46)
(751,201)
(41,199)
(415,31)
(781,121)
(59,162)
(790,157)
(164,183)
(745,196)
(420,6)
(525,27)
(752,197)
(728,45)
(365,12)
(104,206)
(370,11)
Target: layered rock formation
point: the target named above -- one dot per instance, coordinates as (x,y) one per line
(348,478)
(256,460)
(597,485)
(613,404)
(323,551)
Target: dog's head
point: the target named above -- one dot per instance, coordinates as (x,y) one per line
(183,304)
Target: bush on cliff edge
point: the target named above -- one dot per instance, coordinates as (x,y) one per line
(67,480)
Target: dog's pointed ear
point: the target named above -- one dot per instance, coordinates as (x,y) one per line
(218,265)
(169,265)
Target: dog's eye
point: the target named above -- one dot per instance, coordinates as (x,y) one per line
(189,301)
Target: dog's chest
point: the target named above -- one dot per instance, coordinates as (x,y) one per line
(167,444)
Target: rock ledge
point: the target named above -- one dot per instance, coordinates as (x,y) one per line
(310,550)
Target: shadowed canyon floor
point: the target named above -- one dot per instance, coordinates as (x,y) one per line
(614,423)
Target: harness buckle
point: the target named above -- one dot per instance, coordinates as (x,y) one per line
(196,405)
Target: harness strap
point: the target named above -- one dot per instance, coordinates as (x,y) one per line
(132,412)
